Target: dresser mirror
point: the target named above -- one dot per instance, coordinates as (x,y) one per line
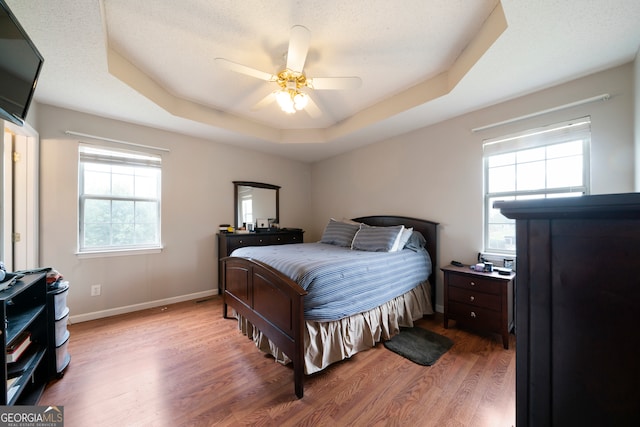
(255,200)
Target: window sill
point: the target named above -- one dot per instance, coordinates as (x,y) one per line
(118,252)
(498,258)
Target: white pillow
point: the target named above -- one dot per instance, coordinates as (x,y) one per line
(402,239)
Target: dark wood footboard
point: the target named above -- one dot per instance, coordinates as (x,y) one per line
(272,302)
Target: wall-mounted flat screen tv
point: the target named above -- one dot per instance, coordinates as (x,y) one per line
(20,65)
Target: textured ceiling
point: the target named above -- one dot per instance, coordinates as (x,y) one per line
(152,62)
(390,48)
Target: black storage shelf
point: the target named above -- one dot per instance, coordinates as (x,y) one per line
(24,309)
(18,323)
(24,381)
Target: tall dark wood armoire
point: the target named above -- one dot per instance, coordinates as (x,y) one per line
(577,310)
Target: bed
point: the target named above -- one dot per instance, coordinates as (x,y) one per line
(270,305)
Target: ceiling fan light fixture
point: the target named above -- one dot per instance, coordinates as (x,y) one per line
(285,101)
(291,100)
(300,100)
(292,79)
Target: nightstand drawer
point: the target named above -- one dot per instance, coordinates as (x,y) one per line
(477,317)
(477,283)
(475,298)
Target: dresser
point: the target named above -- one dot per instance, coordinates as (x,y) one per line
(577,308)
(478,300)
(228,242)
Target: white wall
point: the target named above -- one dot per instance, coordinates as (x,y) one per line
(436,172)
(433,173)
(197,196)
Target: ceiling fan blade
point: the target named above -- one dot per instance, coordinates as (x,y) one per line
(312,108)
(265,101)
(298,48)
(243,69)
(334,83)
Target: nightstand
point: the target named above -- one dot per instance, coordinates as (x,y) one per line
(481,301)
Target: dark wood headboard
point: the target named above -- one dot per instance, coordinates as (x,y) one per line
(429,230)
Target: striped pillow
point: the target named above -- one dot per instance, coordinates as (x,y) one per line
(416,242)
(376,239)
(339,233)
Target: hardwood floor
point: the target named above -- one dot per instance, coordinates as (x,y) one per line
(184,365)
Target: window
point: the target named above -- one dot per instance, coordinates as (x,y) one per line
(541,163)
(119,200)
(247,210)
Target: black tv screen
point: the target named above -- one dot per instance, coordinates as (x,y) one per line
(20,65)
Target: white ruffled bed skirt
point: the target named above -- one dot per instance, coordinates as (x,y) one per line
(329,342)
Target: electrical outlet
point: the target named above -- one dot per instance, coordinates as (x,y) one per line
(96,290)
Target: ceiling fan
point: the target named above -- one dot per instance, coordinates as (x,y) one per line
(292,81)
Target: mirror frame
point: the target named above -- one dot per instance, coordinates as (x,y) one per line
(237,184)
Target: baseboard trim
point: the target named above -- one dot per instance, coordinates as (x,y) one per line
(85,317)
(157,303)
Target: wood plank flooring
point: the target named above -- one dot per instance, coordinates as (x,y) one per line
(184,365)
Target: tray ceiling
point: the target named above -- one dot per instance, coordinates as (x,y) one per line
(152,62)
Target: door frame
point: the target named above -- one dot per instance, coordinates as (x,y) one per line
(20,196)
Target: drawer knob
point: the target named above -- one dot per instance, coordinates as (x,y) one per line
(471,298)
(473,314)
(472,283)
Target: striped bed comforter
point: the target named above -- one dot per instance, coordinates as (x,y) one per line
(342,282)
